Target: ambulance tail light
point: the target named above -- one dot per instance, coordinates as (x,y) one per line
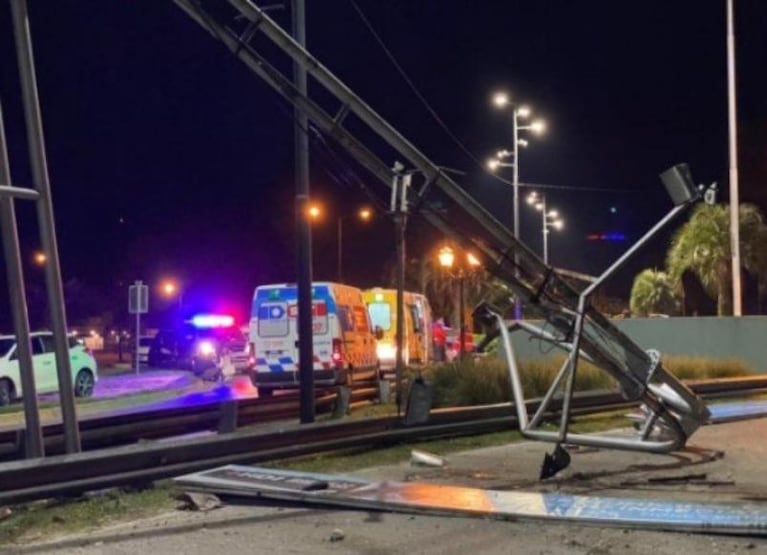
(338,353)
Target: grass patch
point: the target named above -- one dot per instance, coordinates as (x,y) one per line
(40,520)
(699,368)
(348,460)
(486,381)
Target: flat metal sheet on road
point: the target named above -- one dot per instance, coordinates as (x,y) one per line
(414,497)
(738,410)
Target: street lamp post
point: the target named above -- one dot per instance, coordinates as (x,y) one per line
(549,219)
(364,214)
(446,260)
(501,100)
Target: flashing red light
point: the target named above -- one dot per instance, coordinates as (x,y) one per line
(338,353)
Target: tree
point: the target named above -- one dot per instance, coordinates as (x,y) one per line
(702,245)
(653,292)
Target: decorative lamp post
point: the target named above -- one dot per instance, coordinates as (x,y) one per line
(549,219)
(447,259)
(519,112)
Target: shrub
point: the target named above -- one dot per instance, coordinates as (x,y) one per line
(486,380)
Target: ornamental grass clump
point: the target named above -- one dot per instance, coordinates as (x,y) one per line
(484,381)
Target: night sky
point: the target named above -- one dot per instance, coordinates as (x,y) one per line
(169,158)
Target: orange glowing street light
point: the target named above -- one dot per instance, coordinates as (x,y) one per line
(39,258)
(447,258)
(170,288)
(314,211)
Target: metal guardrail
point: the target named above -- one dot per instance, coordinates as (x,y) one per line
(76,473)
(126,427)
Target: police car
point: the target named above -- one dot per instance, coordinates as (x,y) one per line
(209,345)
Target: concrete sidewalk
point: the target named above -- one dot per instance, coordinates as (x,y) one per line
(117,385)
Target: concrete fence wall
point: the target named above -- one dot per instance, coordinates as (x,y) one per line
(744,338)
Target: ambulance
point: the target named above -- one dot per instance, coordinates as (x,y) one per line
(382,307)
(344,341)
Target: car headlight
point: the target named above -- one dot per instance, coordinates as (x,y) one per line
(206,348)
(386,352)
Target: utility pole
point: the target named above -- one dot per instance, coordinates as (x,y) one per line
(303,231)
(733,144)
(398,208)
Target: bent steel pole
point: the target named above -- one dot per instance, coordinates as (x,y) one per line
(45,218)
(447,205)
(33,434)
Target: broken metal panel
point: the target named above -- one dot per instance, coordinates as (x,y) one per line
(424,498)
(742,410)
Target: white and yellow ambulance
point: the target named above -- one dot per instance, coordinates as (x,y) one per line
(382,307)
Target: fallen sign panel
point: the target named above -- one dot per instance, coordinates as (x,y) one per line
(739,410)
(414,497)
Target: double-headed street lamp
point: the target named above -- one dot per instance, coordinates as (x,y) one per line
(550,219)
(447,260)
(364,214)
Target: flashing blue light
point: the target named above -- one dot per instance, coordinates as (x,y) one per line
(614,236)
(212,321)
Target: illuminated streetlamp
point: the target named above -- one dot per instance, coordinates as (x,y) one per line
(363,214)
(550,219)
(447,259)
(39,258)
(314,212)
(170,289)
(501,100)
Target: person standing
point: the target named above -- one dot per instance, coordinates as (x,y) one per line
(439,338)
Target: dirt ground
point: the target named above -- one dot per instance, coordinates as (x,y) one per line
(722,463)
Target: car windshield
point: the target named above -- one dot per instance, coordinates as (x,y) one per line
(145,341)
(5,345)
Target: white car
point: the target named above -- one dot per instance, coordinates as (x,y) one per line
(144,342)
(84,370)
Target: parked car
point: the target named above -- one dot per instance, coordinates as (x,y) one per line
(210,346)
(144,343)
(84,368)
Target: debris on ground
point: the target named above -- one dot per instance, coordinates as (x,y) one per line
(194,501)
(426,459)
(337,535)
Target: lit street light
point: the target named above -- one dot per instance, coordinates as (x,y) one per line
(169,289)
(501,100)
(39,258)
(550,219)
(447,259)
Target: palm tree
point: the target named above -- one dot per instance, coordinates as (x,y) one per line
(702,245)
(653,292)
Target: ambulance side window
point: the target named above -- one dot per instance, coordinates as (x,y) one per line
(361,319)
(344,318)
(417,327)
(273,319)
